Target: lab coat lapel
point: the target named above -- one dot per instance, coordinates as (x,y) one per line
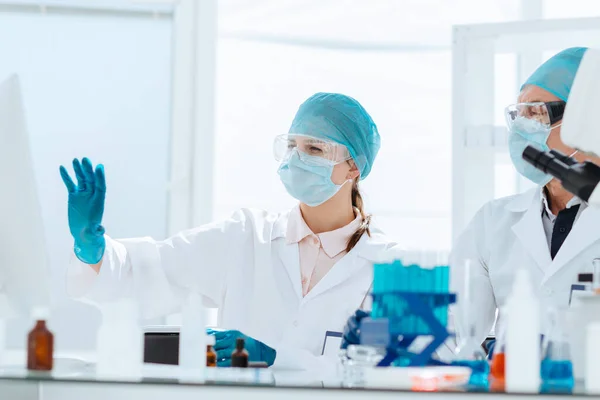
(585,232)
(264,279)
(530,233)
(346,267)
(342,270)
(289,255)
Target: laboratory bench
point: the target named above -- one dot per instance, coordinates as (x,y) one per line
(223,384)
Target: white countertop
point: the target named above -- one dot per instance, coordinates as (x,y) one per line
(74,378)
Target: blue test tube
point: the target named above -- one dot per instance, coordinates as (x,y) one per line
(403,278)
(390,274)
(429,282)
(440,273)
(376,277)
(417,276)
(433,286)
(444,310)
(438,289)
(435,280)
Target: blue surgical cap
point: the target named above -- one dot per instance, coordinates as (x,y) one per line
(342,120)
(558,73)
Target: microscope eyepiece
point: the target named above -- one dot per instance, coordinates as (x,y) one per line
(578,178)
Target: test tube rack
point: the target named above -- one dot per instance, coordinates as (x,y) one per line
(410,302)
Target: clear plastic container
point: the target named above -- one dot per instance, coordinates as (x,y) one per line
(120,342)
(355,360)
(192,338)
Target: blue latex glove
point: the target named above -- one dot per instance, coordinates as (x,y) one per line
(225,345)
(86,207)
(351,333)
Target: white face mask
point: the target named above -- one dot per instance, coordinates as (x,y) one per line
(529,126)
(309,183)
(525,132)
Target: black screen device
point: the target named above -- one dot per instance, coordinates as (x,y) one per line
(161,348)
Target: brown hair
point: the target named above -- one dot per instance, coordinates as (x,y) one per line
(357,202)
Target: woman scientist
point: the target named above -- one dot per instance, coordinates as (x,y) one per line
(280,281)
(544,230)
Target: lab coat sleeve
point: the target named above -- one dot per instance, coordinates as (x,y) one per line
(480,312)
(160,273)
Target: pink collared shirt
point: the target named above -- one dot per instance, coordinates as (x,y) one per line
(318,252)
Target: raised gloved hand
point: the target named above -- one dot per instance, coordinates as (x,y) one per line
(86,207)
(351,333)
(225,345)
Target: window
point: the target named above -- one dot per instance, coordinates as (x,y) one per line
(394,57)
(96,85)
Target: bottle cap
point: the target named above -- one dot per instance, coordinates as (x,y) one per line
(119,310)
(40,313)
(522,284)
(210,340)
(194,300)
(239,343)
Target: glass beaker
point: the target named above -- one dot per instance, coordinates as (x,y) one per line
(472,355)
(468,349)
(556,367)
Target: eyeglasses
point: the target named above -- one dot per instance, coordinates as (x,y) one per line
(547,113)
(310,149)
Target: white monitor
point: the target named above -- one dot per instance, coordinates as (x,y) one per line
(24,269)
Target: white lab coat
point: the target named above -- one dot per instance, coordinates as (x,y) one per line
(244,267)
(508,234)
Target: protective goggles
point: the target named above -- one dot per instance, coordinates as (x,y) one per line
(545,113)
(310,149)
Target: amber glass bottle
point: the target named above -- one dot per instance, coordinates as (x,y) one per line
(40,344)
(211,355)
(239,358)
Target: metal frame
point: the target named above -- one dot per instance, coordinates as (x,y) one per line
(193,115)
(476,140)
(114,8)
(193,120)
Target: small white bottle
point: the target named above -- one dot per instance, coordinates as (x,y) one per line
(2,340)
(592,358)
(6,313)
(522,337)
(192,337)
(120,344)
